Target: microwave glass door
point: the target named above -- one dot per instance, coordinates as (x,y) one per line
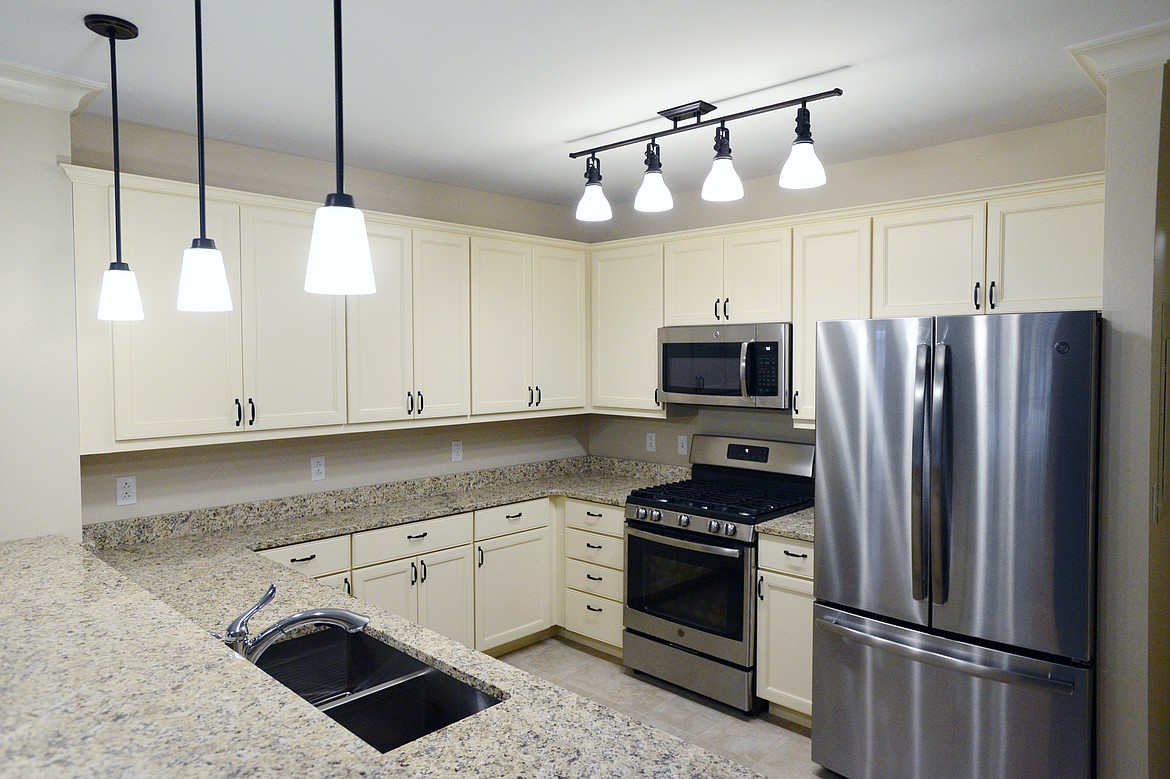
(702,368)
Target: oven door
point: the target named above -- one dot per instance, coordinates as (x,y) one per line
(691,592)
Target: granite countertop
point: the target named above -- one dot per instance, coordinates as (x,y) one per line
(111,671)
(798,526)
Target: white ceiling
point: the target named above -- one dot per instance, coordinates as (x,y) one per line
(494,94)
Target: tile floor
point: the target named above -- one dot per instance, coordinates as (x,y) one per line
(763,743)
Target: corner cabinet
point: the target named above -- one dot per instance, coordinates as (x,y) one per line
(627,312)
(830,280)
(784,625)
(513,573)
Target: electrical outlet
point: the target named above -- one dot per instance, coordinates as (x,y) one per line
(456,451)
(651,443)
(317,467)
(126,491)
(682,444)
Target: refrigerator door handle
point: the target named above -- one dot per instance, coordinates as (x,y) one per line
(917,544)
(968,667)
(939,466)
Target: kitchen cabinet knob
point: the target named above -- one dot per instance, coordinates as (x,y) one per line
(239,412)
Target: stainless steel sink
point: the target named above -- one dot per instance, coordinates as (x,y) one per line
(384,696)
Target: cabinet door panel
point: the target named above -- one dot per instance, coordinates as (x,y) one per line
(390,586)
(927,262)
(784,642)
(379,332)
(294,341)
(442,323)
(627,312)
(560,327)
(757,276)
(501,326)
(175,372)
(446,594)
(513,584)
(692,281)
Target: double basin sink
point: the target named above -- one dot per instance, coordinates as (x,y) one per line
(382,695)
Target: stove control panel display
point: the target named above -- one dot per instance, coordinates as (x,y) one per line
(751,454)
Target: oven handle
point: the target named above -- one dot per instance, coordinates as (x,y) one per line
(722,551)
(743,352)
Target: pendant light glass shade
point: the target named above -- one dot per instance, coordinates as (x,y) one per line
(593,206)
(119,300)
(802,170)
(653,195)
(339,251)
(203,284)
(722,183)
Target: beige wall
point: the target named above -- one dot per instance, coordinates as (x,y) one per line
(207,476)
(39,489)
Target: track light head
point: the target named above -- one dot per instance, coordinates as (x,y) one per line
(593,206)
(722,184)
(653,195)
(803,170)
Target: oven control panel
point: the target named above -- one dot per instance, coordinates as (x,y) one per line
(667,518)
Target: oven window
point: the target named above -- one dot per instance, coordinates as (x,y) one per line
(701,369)
(694,589)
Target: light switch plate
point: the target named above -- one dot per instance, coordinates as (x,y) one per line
(317,467)
(126,491)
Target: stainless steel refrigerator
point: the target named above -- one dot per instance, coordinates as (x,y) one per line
(955,546)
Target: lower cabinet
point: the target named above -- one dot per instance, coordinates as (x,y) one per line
(784,624)
(594,565)
(513,574)
(342,581)
(327,560)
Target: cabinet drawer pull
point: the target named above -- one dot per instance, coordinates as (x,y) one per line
(760,588)
(593,514)
(303,559)
(537,394)
(420,401)
(348,586)
(592,578)
(975,299)
(413,573)
(530,397)
(480,548)
(517,515)
(795,407)
(726,316)
(591,608)
(252,412)
(423,563)
(416,537)
(716,309)
(793,554)
(991,296)
(239,412)
(409,403)
(592,546)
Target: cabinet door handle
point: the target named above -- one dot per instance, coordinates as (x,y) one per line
(239,412)
(530,397)
(793,554)
(592,546)
(591,608)
(991,296)
(416,536)
(303,559)
(517,515)
(538,395)
(795,407)
(480,548)
(420,402)
(656,402)
(592,578)
(251,412)
(976,298)
(716,309)
(409,403)
(413,573)
(760,588)
(423,563)
(348,586)
(592,514)
(726,316)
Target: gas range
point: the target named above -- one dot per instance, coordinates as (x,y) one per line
(736,484)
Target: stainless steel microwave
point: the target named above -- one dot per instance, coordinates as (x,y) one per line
(726,365)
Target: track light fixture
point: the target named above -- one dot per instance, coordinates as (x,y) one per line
(339,251)
(203,284)
(722,183)
(119,300)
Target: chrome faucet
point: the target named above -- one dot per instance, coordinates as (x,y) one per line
(250,649)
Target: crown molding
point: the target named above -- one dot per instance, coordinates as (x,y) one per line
(1128,52)
(22,84)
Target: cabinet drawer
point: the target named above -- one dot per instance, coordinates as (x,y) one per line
(595,548)
(786,555)
(595,617)
(594,579)
(512,518)
(594,516)
(413,538)
(313,558)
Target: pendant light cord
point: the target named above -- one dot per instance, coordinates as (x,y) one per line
(199,116)
(117,154)
(337,93)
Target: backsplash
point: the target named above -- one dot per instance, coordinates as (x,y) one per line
(106,535)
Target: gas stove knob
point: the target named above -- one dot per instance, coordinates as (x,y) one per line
(655,515)
(640,513)
(730,529)
(714,526)
(683,520)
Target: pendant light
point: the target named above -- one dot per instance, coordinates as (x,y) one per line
(593,206)
(802,170)
(339,252)
(653,195)
(119,300)
(203,284)
(722,182)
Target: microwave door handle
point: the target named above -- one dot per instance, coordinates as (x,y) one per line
(743,355)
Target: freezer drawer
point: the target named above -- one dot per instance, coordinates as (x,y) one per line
(891,701)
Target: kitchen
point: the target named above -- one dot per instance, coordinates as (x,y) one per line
(1034,154)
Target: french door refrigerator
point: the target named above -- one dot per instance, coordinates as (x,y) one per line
(955,546)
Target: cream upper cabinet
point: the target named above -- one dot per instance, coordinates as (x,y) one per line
(1045,251)
(380,332)
(830,280)
(627,312)
(745,277)
(560,327)
(442,324)
(294,341)
(929,261)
